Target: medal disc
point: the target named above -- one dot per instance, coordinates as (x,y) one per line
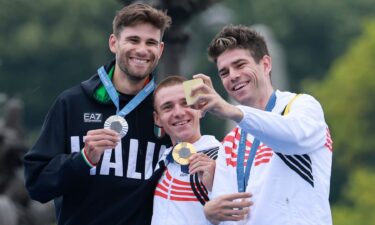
(118,124)
(182,151)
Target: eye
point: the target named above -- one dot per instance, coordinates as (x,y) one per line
(241,65)
(223,73)
(184,103)
(133,40)
(166,107)
(152,43)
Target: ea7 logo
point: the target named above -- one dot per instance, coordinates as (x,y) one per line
(92,117)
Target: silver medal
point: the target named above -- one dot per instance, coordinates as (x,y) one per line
(118,124)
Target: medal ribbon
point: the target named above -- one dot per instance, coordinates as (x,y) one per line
(243,178)
(114,96)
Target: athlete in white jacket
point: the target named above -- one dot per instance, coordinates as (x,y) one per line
(180,196)
(289,180)
(288,173)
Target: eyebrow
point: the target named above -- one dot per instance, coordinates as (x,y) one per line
(165,104)
(232,63)
(137,37)
(133,36)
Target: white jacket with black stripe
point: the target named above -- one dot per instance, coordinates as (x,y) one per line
(290,175)
(179,197)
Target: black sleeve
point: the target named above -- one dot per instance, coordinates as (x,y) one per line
(50,169)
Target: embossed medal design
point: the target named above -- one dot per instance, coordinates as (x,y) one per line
(182,151)
(118,124)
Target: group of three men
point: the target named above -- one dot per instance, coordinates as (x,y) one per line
(272,168)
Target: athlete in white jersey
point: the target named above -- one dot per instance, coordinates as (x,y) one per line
(289,183)
(183,190)
(286,141)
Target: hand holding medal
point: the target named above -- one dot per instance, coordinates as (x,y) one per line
(204,166)
(96,142)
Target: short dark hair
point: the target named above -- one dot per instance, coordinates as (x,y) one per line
(168,82)
(135,14)
(238,36)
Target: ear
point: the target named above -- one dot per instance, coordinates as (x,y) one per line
(157,119)
(161,48)
(112,42)
(267,64)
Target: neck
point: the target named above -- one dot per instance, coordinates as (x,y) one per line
(263,99)
(191,140)
(125,85)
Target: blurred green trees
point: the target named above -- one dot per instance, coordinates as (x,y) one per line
(347,94)
(313,32)
(47,46)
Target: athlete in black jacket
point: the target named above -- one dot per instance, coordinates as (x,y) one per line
(93,175)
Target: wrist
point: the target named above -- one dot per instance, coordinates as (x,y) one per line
(234,113)
(87,159)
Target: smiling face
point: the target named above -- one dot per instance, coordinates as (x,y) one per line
(138,49)
(246,81)
(172,113)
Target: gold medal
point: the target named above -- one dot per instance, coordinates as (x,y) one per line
(182,152)
(118,124)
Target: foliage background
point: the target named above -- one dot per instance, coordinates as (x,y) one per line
(47,46)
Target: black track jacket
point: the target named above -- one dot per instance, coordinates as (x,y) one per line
(119,190)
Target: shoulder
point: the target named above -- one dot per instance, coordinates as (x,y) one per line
(296,99)
(208,145)
(68,95)
(300,105)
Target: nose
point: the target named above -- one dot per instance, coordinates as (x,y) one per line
(178,111)
(233,74)
(142,48)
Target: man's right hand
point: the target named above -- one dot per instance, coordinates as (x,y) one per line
(230,207)
(97,141)
(208,100)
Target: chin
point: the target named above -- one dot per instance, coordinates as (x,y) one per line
(182,138)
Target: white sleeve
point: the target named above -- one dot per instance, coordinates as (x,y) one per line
(301,131)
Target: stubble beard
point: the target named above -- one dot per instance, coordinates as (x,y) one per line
(131,74)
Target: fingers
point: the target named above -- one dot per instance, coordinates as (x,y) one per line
(207,99)
(234,214)
(102,132)
(205,167)
(235,196)
(206,79)
(97,141)
(202,92)
(197,157)
(224,208)
(235,201)
(200,163)
(202,166)
(243,203)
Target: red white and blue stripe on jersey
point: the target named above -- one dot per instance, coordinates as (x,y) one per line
(301,164)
